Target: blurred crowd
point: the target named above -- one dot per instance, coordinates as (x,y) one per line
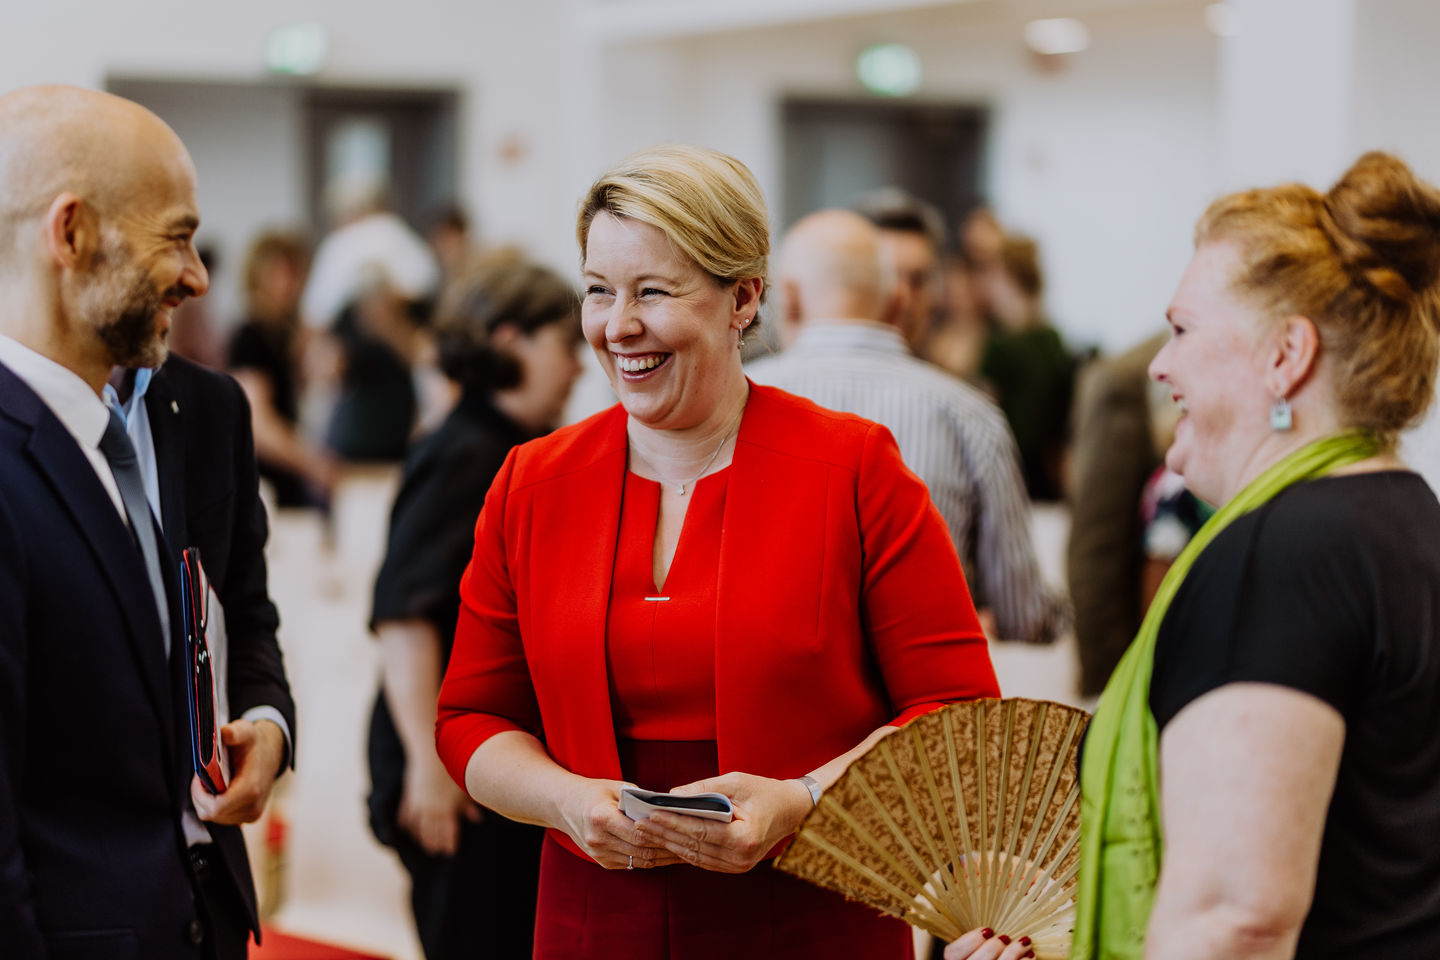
(861,426)
(381,344)
(336,349)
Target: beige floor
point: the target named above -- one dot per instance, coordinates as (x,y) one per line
(340,885)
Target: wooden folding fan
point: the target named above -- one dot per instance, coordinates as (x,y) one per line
(967,817)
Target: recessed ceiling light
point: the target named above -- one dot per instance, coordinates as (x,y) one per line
(1057,35)
(300,49)
(889,69)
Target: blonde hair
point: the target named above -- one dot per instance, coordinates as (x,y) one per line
(707,202)
(269,246)
(1362,263)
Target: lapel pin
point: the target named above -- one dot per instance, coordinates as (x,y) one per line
(175,407)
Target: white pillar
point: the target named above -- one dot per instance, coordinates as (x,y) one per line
(1287,92)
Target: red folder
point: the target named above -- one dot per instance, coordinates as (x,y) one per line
(206,752)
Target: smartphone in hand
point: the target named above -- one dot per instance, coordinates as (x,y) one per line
(638,804)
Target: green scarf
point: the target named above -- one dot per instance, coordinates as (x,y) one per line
(1120,839)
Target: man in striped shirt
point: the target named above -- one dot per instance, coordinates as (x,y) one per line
(839,307)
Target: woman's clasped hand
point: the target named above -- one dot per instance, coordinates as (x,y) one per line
(593,820)
(986,944)
(766,812)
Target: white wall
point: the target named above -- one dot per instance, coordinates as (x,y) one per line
(246,143)
(1397,76)
(1108,164)
(509,58)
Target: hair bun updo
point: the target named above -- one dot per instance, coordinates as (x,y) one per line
(1363,263)
(1385,225)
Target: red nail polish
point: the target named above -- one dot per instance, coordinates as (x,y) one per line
(1028,955)
(986,934)
(1004,939)
(1024,941)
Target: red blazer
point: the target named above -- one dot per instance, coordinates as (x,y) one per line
(842,605)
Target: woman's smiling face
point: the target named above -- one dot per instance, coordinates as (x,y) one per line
(1215,367)
(665,331)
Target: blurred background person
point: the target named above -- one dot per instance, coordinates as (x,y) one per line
(384,339)
(507,332)
(371,291)
(662,657)
(194,334)
(264,356)
(912,234)
(956,340)
(450,240)
(366,235)
(1113,456)
(839,305)
(981,248)
(1028,367)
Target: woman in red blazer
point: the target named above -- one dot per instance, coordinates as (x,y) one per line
(712,586)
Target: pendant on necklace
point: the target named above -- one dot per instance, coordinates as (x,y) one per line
(682,489)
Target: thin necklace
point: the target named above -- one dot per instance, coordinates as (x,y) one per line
(681,485)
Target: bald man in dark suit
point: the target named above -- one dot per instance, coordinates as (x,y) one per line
(102,854)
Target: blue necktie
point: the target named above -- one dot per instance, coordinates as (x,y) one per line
(116,446)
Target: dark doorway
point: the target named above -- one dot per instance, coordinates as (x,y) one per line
(407,138)
(836,150)
(264,151)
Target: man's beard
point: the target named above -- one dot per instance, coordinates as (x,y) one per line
(124,304)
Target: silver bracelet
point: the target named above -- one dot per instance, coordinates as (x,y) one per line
(813,787)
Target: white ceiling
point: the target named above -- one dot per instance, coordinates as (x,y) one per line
(622,21)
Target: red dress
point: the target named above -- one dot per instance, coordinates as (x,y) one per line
(660,649)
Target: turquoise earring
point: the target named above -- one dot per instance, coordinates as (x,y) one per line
(1280,418)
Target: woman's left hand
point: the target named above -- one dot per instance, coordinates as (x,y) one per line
(766,811)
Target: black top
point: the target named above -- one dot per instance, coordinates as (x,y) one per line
(376,408)
(1034,379)
(267,349)
(1333,588)
(432,535)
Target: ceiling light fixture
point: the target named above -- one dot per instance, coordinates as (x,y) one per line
(889,69)
(1056,36)
(297,49)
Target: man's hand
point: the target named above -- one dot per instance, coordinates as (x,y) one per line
(256,752)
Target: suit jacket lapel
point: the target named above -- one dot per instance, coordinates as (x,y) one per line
(579,514)
(167,435)
(166,428)
(65,466)
(779,577)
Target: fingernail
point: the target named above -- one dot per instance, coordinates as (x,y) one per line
(1024,941)
(1027,956)
(987,933)
(1004,939)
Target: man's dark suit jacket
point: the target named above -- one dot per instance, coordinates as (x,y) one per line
(209,499)
(94,756)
